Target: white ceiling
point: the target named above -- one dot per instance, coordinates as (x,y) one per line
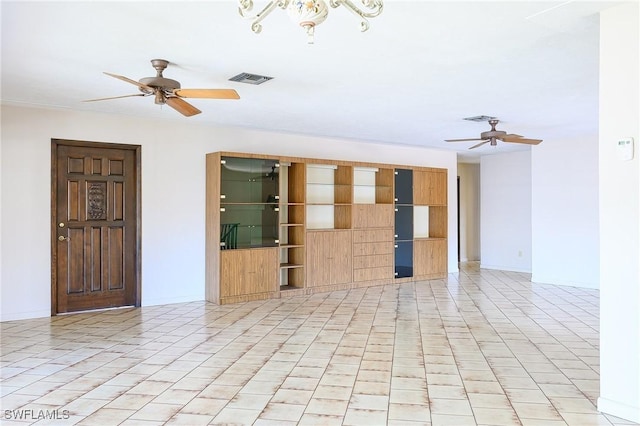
(411,79)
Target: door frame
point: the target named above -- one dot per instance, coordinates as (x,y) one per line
(54,213)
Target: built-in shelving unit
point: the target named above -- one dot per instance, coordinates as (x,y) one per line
(292,226)
(279,226)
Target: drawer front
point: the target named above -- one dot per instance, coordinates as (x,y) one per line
(374,261)
(372,215)
(367,249)
(372,235)
(369,274)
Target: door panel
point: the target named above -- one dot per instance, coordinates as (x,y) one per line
(95,226)
(404,259)
(340,259)
(430,257)
(318,273)
(248,271)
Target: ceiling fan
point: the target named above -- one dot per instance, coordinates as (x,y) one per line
(494,136)
(168,91)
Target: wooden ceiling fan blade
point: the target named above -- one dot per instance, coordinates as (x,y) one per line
(182,106)
(128,80)
(523,140)
(463,140)
(207,93)
(114,97)
(513,135)
(480,144)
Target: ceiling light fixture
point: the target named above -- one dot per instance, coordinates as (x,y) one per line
(309,13)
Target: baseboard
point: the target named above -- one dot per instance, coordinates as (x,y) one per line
(172,300)
(15,316)
(504,268)
(542,280)
(624,411)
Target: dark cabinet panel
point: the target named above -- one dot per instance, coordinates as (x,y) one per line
(404,186)
(404,223)
(404,259)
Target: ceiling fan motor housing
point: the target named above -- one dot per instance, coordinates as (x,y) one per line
(493,134)
(165,84)
(159,82)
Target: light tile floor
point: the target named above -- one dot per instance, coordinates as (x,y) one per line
(482,347)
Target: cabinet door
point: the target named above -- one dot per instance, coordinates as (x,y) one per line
(245,272)
(340,259)
(263,267)
(329,259)
(317,252)
(430,188)
(404,259)
(249,180)
(372,216)
(232,272)
(404,223)
(438,189)
(430,257)
(404,186)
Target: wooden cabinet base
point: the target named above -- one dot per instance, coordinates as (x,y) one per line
(250,274)
(249,298)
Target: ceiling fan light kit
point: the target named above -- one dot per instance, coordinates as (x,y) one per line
(309,13)
(493,136)
(168,91)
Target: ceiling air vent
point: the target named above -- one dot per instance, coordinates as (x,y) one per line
(245,77)
(480,118)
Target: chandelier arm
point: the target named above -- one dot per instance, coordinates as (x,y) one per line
(374,6)
(245,6)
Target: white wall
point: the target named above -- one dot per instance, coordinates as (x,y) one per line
(505,211)
(619,214)
(564,216)
(173,194)
(469,211)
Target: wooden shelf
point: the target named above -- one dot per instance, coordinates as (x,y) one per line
(290,265)
(224,203)
(328,184)
(292,224)
(429,238)
(291,245)
(286,288)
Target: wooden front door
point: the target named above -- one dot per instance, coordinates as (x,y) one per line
(95,226)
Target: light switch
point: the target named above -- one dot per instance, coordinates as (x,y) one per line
(625,149)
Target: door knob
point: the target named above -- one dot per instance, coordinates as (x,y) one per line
(63,238)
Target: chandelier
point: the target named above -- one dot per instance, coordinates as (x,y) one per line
(309,13)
